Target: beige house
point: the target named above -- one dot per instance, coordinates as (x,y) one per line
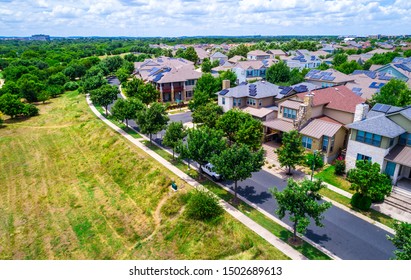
(328,78)
(320,116)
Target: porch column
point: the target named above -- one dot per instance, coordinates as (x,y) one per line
(172,92)
(161,93)
(396,174)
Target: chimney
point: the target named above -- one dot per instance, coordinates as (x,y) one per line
(226,84)
(304,113)
(361,111)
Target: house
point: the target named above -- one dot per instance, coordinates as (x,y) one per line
(359,58)
(236,59)
(366,83)
(201,53)
(383,135)
(327,78)
(175,78)
(277,53)
(257,55)
(320,116)
(329,49)
(399,69)
(219,57)
(252,69)
(302,59)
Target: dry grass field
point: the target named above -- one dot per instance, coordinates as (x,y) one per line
(71,188)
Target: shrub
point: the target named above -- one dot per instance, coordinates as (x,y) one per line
(203,206)
(339,167)
(30,110)
(309,159)
(70,86)
(1,118)
(361,202)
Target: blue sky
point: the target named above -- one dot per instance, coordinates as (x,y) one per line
(204,17)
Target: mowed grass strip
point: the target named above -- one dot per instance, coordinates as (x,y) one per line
(72,188)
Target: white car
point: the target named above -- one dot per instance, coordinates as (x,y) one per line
(208,169)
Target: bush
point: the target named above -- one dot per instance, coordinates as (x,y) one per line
(381,189)
(70,86)
(339,167)
(1,118)
(203,206)
(309,159)
(30,110)
(361,202)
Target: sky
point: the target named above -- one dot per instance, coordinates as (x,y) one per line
(173,18)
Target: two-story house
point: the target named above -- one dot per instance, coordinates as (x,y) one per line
(302,59)
(220,57)
(257,55)
(174,78)
(320,116)
(252,69)
(399,69)
(383,135)
(366,83)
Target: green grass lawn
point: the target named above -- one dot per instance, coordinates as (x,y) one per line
(72,188)
(306,249)
(328,176)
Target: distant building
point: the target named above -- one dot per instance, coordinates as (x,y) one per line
(40,37)
(257,55)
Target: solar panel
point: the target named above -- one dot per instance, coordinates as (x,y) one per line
(224,92)
(328,78)
(243,83)
(377,107)
(158,78)
(373,85)
(253,94)
(301,88)
(356,89)
(385,108)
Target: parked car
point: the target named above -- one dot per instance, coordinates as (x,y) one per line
(208,169)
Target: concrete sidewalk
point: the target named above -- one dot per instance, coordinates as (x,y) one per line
(268,236)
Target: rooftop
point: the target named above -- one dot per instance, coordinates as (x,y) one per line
(329,75)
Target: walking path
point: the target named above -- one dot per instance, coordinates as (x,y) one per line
(268,236)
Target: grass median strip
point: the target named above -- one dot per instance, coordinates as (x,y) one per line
(127,129)
(306,249)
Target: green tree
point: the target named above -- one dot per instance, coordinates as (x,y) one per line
(126,109)
(207,114)
(206,66)
(200,98)
(395,92)
(122,75)
(29,89)
(239,50)
(241,128)
(152,119)
(291,151)
(190,54)
(1,119)
(43,96)
(93,82)
(278,73)
(174,134)
(296,76)
(208,84)
(147,93)
(203,205)
(130,88)
(11,105)
(113,63)
(57,79)
(237,162)
(367,180)
(225,75)
(407,53)
(339,59)
(323,66)
(202,143)
(402,241)
(104,96)
(349,67)
(300,201)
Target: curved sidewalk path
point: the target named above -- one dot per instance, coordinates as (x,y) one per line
(267,235)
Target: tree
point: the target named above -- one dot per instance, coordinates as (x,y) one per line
(113,63)
(131,87)
(104,96)
(1,118)
(93,82)
(206,66)
(57,79)
(126,109)
(11,105)
(208,84)
(291,151)
(29,89)
(207,114)
(278,73)
(147,93)
(367,181)
(225,75)
(300,200)
(237,162)
(407,53)
(203,143)
(296,76)
(189,54)
(122,75)
(395,92)
(339,59)
(153,119)
(241,128)
(174,134)
(323,66)
(402,240)
(348,67)
(200,98)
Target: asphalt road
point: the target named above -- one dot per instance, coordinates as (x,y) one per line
(343,234)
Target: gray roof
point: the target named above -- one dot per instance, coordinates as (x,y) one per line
(400,154)
(262,89)
(218,54)
(378,124)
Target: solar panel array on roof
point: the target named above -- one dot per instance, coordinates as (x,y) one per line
(356,89)
(224,92)
(158,77)
(286,90)
(243,83)
(252,89)
(370,74)
(153,71)
(376,85)
(403,67)
(265,62)
(301,88)
(383,108)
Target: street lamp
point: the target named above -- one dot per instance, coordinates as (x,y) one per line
(313,165)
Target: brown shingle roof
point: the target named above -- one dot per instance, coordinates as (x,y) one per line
(339,98)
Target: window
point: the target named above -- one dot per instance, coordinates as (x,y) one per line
(239,102)
(405,139)
(250,101)
(262,72)
(307,142)
(190,82)
(289,113)
(234,102)
(391,141)
(260,102)
(249,72)
(325,143)
(369,138)
(223,100)
(189,93)
(332,144)
(390,168)
(363,157)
